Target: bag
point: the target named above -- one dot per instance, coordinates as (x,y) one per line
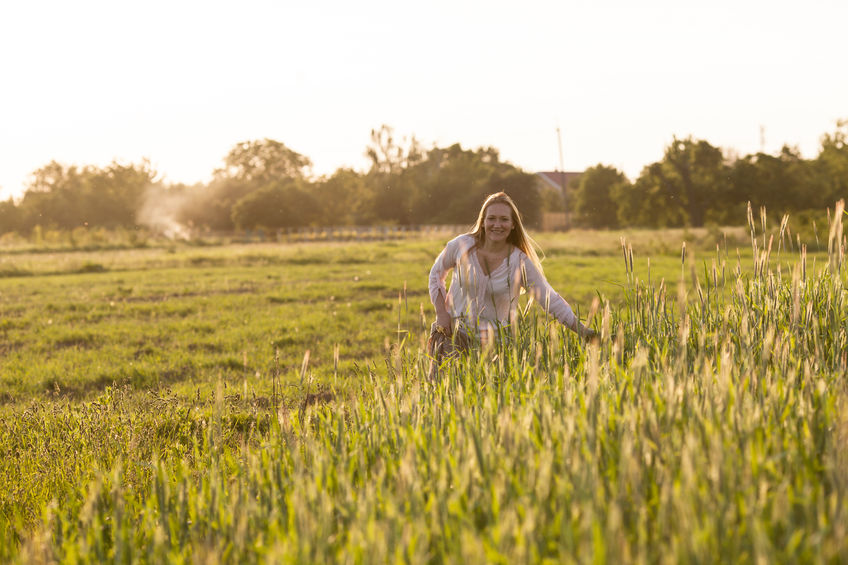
(441,346)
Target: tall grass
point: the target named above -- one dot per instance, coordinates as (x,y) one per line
(708,425)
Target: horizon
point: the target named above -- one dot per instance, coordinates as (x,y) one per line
(180,86)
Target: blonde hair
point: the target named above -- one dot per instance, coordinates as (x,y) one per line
(517,237)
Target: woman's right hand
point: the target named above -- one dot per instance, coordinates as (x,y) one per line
(444,321)
(443,317)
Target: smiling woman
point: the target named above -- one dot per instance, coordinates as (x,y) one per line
(493,264)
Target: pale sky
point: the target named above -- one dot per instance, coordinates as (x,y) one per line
(179,83)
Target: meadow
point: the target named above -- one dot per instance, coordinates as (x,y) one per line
(269,403)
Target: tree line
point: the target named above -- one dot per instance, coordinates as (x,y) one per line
(695,184)
(263,183)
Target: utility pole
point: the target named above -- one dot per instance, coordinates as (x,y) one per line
(562,175)
(559,142)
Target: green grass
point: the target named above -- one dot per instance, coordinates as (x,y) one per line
(160,409)
(182,318)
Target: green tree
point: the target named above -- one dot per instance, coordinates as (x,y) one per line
(10,217)
(690,183)
(596,200)
(387,155)
(345,199)
(391,191)
(450,184)
(277,205)
(248,167)
(832,165)
(67,197)
(647,202)
(261,162)
(212,205)
(782,183)
(53,197)
(523,188)
(113,195)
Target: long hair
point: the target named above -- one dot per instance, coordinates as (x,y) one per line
(517,237)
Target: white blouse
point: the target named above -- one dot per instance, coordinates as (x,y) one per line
(486,301)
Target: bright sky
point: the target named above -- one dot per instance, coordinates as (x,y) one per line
(181,82)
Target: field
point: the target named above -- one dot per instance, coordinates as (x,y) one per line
(269,403)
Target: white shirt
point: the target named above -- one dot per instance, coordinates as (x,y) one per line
(486,301)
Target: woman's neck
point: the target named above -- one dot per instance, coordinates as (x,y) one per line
(494,247)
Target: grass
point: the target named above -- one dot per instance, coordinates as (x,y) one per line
(183,318)
(162,409)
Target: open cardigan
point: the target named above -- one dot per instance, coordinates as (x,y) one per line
(484,302)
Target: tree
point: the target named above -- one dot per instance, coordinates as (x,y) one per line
(261,162)
(389,157)
(451,183)
(10,217)
(69,197)
(391,192)
(688,184)
(277,205)
(523,188)
(248,167)
(596,199)
(114,195)
(649,202)
(345,199)
(832,164)
(54,197)
(782,183)
(695,172)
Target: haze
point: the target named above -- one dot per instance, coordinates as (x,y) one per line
(179,83)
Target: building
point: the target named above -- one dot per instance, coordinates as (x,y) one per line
(563,183)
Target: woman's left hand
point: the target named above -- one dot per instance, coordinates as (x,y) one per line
(587,333)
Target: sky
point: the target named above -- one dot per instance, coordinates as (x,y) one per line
(179,82)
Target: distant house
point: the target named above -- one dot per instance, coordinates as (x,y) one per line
(558,181)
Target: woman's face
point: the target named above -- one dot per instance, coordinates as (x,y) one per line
(497,223)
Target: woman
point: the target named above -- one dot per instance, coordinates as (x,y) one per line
(492,264)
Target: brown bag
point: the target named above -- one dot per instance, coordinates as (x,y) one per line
(441,346)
